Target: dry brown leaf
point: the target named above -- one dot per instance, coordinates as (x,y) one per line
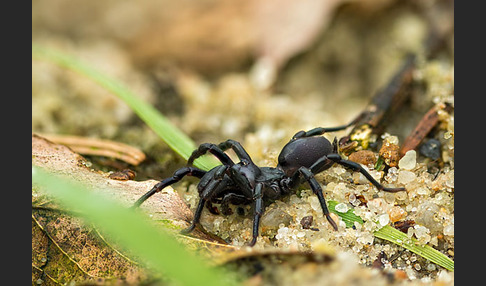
(64,248)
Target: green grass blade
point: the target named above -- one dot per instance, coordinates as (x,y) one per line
(156,247)
(176,139)
(348,217)
(393,235)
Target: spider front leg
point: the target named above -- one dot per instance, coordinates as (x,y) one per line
(213,149)
(357,167)
(178,175)
(316,188)
(237,148)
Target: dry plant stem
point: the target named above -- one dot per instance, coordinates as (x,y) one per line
(99,147)
(428,121)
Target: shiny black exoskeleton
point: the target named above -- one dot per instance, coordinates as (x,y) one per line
(304,155)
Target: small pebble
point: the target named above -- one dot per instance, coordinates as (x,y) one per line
(449,230)
(314,203)
(430,267)
(396,213)
(383,219)
(431,149)
(408,161)
(390,153)
(306,222)
(405,177)
(444,276)
(341,207)
(364,157)
(422,233)
(392,175)
(274,217)
(366,238)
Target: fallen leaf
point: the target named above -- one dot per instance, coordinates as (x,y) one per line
(84,253)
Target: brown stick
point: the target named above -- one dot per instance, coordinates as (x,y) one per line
(428,121)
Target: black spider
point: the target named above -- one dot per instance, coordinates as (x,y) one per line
(244,182)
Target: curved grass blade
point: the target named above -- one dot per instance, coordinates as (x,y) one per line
(154,246)
(394,235)
(176,139)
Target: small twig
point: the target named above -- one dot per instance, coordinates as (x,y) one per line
(99,147)
(425,125)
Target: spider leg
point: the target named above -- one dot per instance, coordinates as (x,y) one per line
(178,175)
(211,188)
(316,188)
(197,217)
(335,145)
(213,149)
(236,146)
(321,164)
(258,211)
(212,209)
(320,130)
(357,167)
(231,198)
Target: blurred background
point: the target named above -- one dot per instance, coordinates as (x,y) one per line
(224,69)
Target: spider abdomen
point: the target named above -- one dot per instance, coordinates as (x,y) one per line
(303,152)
